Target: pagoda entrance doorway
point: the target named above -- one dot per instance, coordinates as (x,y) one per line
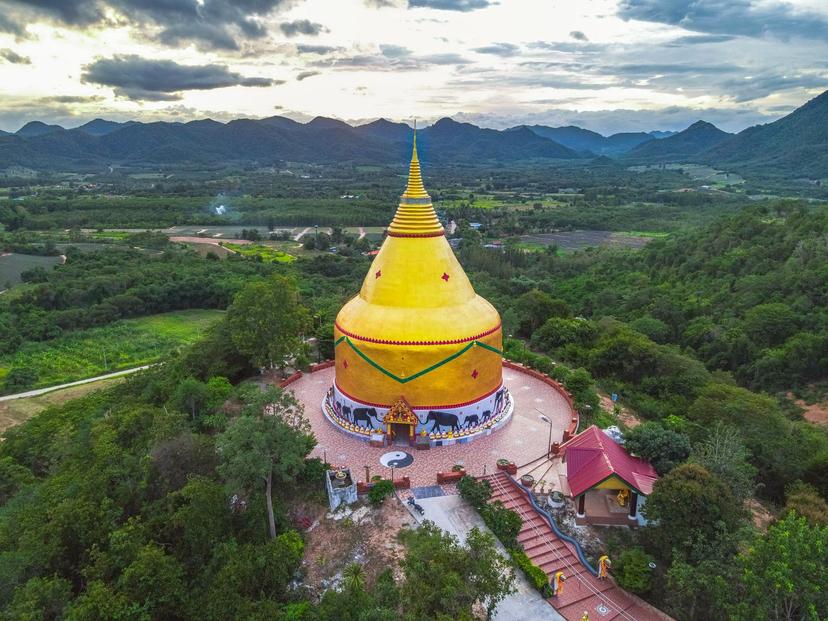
(400,423)
(402,433)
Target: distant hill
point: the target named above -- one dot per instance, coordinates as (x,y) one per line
(683,146)
(626,141)
(101,127)
(37,128)
(796,144)
(100,143)
(385,130)
(447,139)
(580,139)
(661,134)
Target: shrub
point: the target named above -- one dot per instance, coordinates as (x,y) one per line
(535,574)
(662,447)
(476,493)
(19,379)
(379,491)
(503,522)
(314,471)
(632,571)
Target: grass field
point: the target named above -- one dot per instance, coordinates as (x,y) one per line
(96,351)
(266,254)
(16,411)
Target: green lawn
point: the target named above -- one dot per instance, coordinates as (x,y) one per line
(267,254)
(121,345)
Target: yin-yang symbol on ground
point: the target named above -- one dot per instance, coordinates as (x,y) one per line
(396,459)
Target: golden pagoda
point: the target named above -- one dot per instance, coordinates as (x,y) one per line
(417,331)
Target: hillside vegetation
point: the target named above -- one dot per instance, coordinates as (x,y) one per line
(747,294)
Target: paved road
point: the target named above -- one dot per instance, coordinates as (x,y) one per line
(89,380)
(302,232)
(455,516)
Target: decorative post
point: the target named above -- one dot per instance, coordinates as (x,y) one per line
(633,505)
(367,475)
(582,505)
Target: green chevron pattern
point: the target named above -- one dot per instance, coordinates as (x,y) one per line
(404,380)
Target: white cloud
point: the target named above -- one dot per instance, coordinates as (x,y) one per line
(496,62)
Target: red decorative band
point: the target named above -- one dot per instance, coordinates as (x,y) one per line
(435,234)
(368,339)
(421,407)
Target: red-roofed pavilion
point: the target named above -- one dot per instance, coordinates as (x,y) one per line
(606,481)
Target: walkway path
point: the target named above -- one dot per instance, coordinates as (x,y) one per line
(582,590)
(88,380)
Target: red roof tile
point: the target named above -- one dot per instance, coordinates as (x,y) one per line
(592,457)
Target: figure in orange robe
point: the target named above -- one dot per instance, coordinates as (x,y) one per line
(604,564)
(557,583)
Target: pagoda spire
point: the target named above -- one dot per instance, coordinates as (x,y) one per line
(415,215)
(415,187)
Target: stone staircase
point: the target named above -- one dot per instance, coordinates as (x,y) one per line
(583,591)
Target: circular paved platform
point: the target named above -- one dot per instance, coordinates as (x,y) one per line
(524,438)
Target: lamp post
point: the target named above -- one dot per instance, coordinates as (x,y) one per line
(545,419)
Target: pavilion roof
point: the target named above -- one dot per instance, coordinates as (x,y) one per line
(592,457)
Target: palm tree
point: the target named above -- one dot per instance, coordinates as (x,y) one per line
(354,577)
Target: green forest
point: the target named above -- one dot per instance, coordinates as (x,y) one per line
(117,505)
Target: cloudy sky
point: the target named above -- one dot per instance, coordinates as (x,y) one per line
(609,65)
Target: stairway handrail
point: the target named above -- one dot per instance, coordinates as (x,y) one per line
(561,535)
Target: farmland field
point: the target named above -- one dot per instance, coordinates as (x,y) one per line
(265,254)
(12,265)
(96,351)
(577,240)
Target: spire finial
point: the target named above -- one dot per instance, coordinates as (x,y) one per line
(415,188)
(414,157)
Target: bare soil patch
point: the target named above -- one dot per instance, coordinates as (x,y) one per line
(816,413)
(364,534)
(625,415)
(761,515)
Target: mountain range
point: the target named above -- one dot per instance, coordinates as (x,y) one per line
(795,144)
(580,139)
(264,141)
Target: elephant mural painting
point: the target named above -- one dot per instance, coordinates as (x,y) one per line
(365,414)
(442,419)
(471,421)
(499,401)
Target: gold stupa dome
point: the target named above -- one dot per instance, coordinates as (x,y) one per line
(417,330)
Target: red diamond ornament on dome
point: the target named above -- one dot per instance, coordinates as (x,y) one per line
(445,276)
(345,363)
(475,374)
(378,274)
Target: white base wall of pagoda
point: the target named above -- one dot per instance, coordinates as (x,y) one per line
(443,426)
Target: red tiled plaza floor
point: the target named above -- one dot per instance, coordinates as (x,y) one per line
(524,438)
